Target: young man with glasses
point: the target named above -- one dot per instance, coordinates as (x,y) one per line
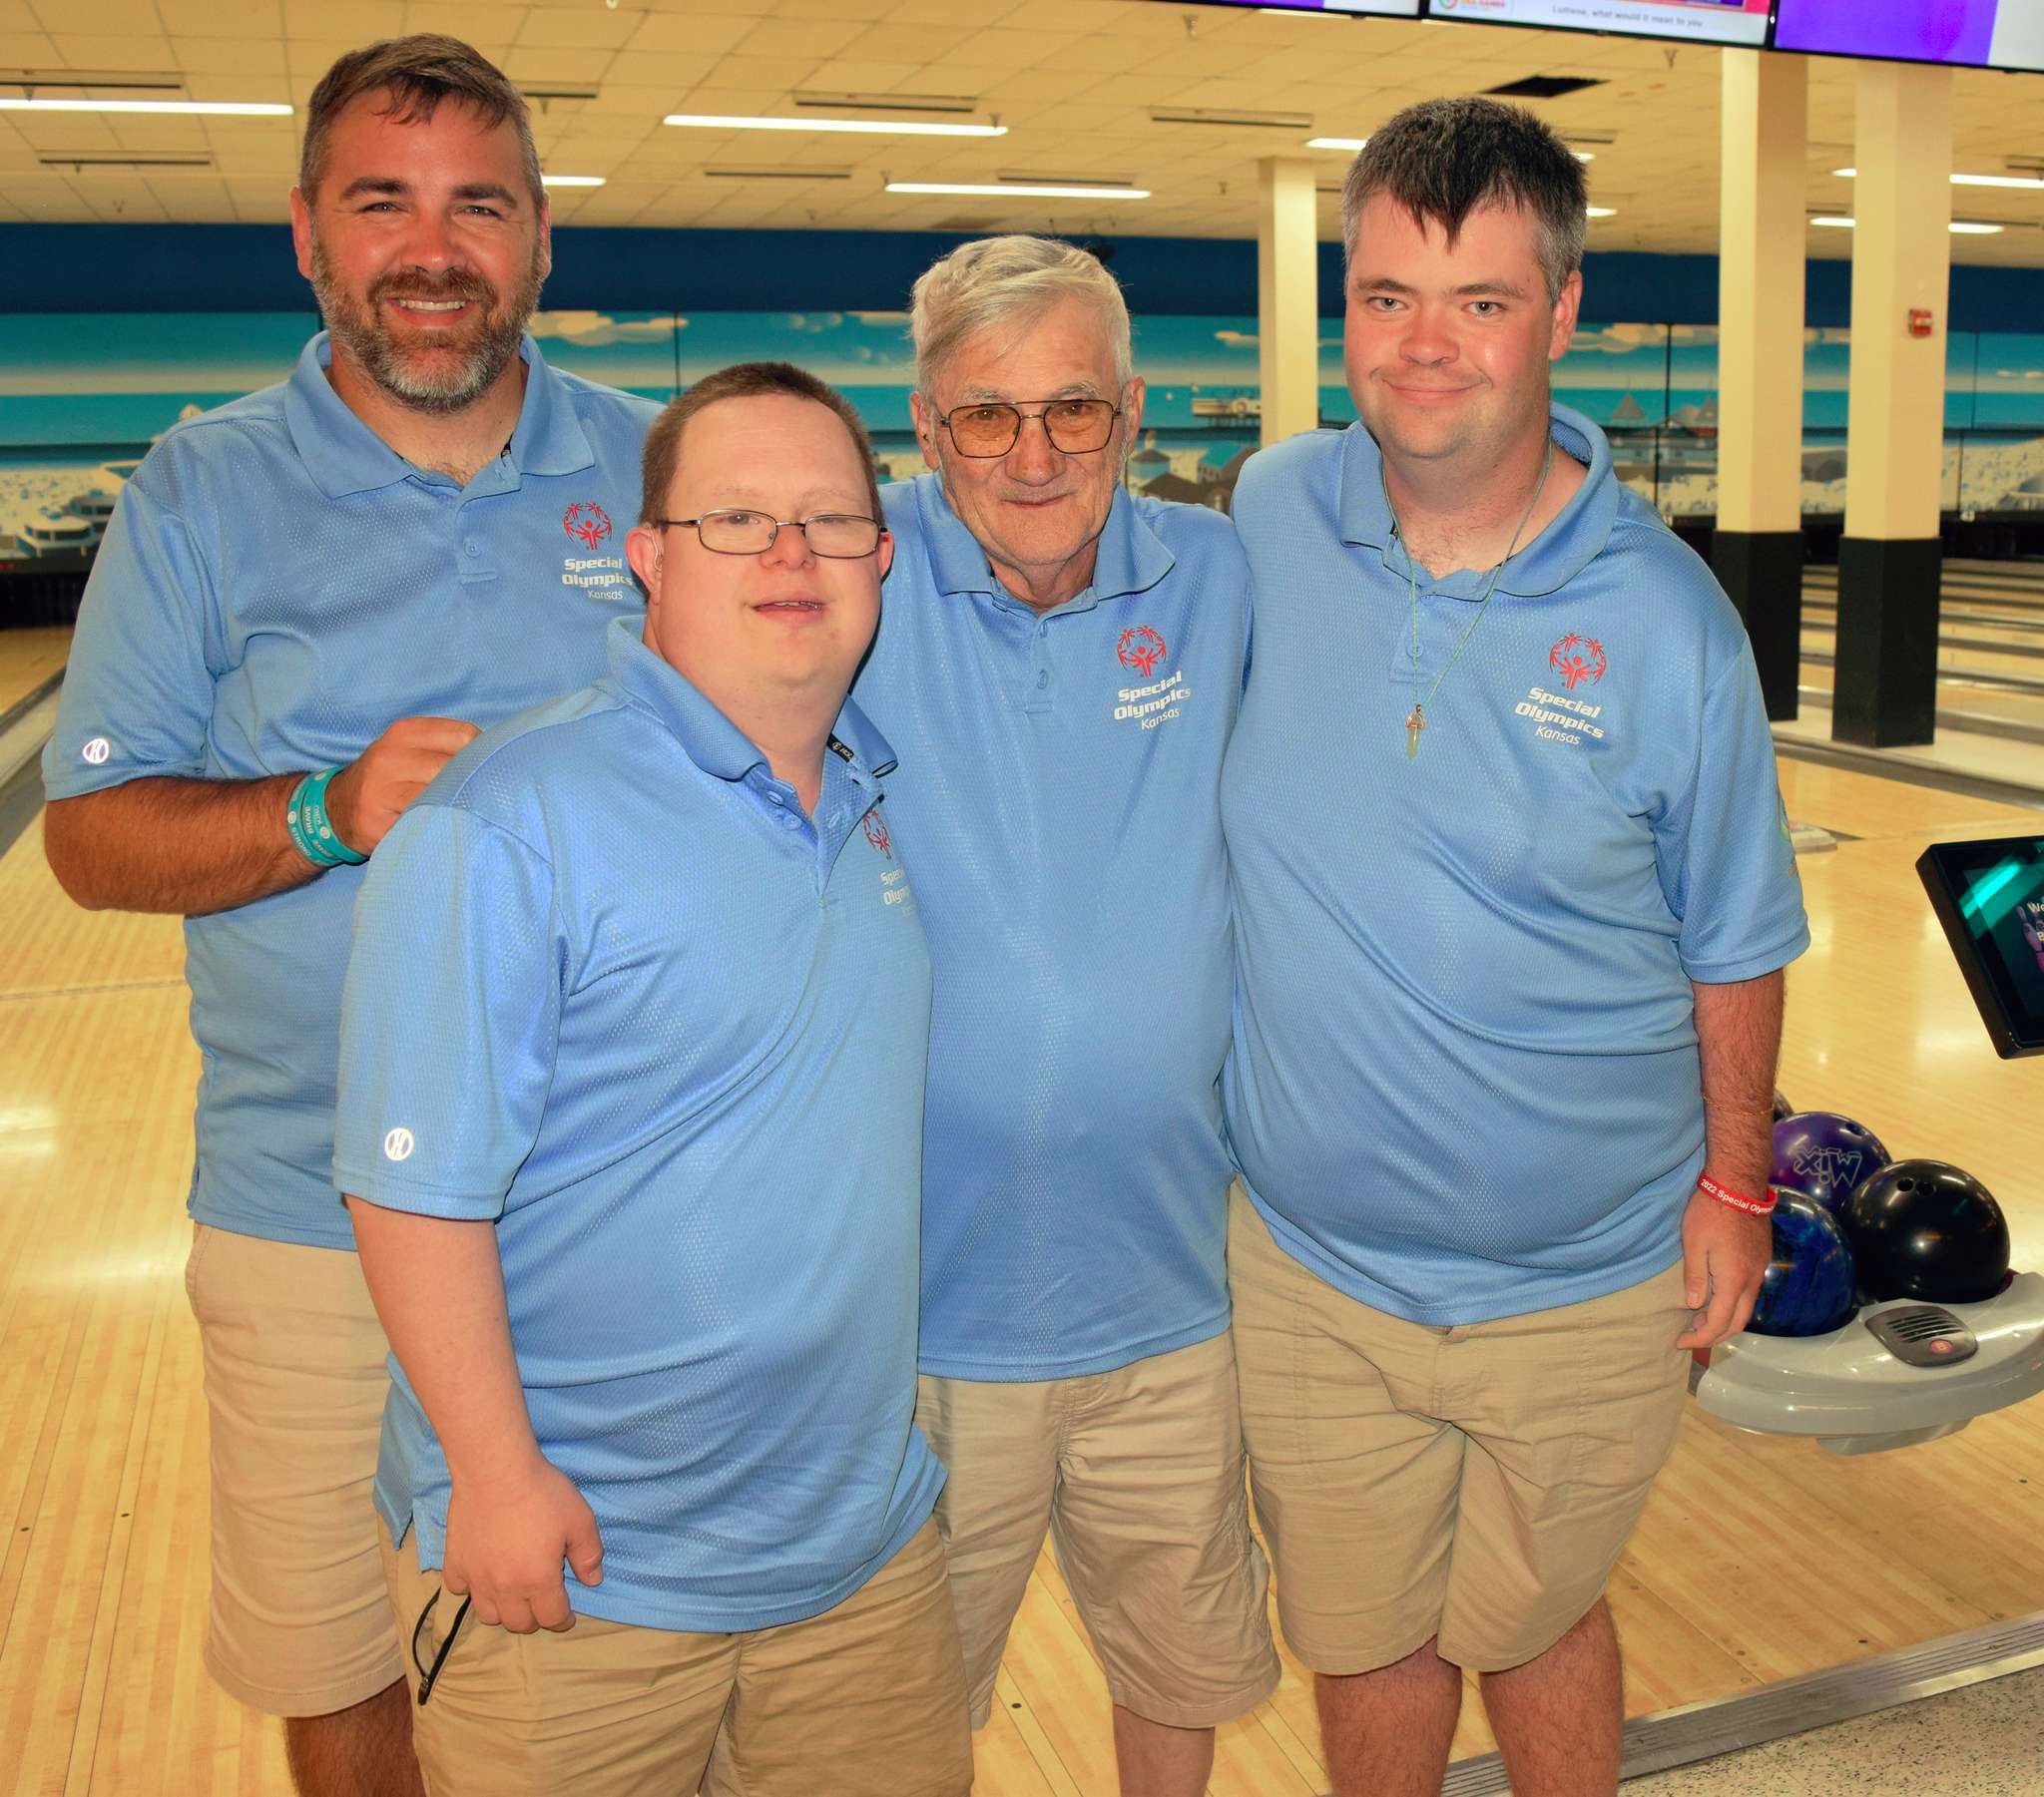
(1059,667)
(630,1106)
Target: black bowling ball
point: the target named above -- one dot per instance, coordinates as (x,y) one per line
(1925,1229)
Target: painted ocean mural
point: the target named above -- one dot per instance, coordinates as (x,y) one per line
(82,398)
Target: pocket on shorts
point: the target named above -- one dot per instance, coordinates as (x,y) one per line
(201,1240)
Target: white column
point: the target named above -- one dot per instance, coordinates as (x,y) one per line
(1288,297)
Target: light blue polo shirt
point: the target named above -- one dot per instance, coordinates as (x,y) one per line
(1058,800)
(1465,1080)
(612,992)
(276,586)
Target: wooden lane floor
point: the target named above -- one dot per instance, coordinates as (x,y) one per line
(29,657)
(1758,1558)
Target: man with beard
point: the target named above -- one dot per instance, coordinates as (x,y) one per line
(307,602)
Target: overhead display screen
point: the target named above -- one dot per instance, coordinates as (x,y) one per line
(1699,21)
(1396,9)
(1989,34)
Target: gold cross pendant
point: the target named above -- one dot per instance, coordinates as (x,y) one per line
(1413,726)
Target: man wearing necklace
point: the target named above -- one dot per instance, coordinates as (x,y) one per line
(307,602)
(1514,893)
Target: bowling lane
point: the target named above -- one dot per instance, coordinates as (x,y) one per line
(29,657)
(1863,805)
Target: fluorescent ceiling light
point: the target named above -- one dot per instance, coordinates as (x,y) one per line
(1018,189)
(1335,143)
(1600,211)
(882,126)
(571,180)
(1584,156)
(236,109)
(1959,228)
(1971,181)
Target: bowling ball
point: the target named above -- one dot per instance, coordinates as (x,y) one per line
(1808,1289)
(1781,1105)
(1825,1155)
(1924,1230)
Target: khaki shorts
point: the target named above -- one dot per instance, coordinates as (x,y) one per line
(1473,1484)
(865,1700)
(1139,1476)
(296,1379)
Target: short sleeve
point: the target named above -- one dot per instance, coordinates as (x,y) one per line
(449,1016)
(1726,864)
(137,689)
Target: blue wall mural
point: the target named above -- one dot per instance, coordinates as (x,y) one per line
(81,397)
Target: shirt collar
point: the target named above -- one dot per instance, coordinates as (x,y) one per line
(1131,558)
(343,455)
(1554,558)
(710,739)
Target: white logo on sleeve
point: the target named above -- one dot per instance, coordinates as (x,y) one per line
(398,1145)
(97,750)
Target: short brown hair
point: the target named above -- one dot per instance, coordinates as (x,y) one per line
(743,380)
(1443,159)
(417,72)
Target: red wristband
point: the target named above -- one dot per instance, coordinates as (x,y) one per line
(1738,1201)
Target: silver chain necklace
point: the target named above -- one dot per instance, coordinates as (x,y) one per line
(1416,720)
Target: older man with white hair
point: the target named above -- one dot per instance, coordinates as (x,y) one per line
(1058,667)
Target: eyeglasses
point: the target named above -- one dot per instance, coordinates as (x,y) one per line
(430,1675)
(1074,426)
(734,531)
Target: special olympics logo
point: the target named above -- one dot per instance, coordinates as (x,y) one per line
(587,522)
(398,1145)
(97,750)
(876,833)
(1140,650)
(1577,658)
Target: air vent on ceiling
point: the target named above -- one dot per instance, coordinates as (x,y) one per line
(1547,87)
(555,90)
(773,172)
(1590,140)
(1220,114)
(886,103)
(126,80)
(80,160)
(2023,165)
(1040,178)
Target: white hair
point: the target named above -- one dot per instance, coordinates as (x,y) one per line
(1010,281)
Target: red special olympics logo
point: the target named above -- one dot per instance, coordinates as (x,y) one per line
(1577,658)
(588,522)
(1140,649)
(876,833)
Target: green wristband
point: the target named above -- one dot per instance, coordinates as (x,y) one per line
(312,831)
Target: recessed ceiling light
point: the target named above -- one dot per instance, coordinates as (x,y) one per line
(571,180)
(1959,228)
(1600,211)
(1335,143)
(1017,189)
(1971,181)
(1584,156)
(904,127)
(234,109)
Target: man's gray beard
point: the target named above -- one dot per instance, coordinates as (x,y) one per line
(386,364)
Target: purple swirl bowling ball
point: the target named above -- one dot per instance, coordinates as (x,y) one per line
(1825,1155)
